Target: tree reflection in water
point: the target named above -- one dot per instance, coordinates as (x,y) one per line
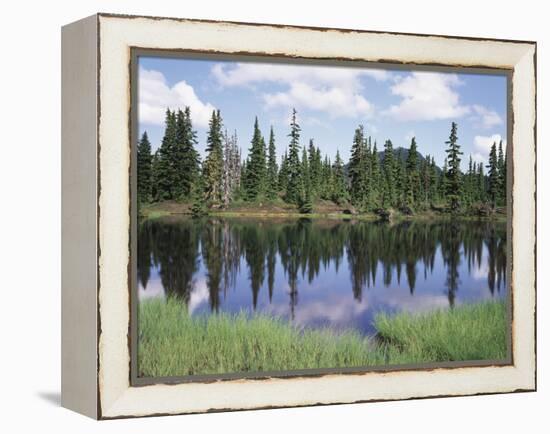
(305,249)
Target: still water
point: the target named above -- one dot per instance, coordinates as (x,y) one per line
(319,273)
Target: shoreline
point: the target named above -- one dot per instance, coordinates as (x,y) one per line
(175,209)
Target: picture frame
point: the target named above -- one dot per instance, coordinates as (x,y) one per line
(98,224)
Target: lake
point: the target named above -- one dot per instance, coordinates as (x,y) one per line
(319,273)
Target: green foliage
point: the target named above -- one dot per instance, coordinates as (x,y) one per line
(272,169)
(186,159)
(198,206)
(255,180)
(339,191)
(501,166)
(469,332)
(390,168)
(174,343)
(165,171)
(213,164)
(413,185)
(493,175)
(395,178)
(144,175)
(294,184)
(453,177)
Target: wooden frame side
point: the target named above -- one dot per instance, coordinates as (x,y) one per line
(79,391)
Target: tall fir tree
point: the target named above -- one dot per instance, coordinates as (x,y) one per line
(339,190)
(375,177)
(306,204)
(213,163)
(390,176)
(432,196)
(356,168)
(293,188)
(501,163)
(272,169)
(144,161)
(283,173)
(493,176)
(231,167)
(255,181)
(412,175)
(189,163)
(166,172)
(481,184)
(453,188)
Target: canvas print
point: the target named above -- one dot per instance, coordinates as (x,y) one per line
(296,216)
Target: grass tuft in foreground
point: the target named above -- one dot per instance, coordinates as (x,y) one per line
(468,332)
(173,343)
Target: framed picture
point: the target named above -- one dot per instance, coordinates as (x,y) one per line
(262,216)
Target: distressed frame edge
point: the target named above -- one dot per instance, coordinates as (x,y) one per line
(79,135)
(529,386)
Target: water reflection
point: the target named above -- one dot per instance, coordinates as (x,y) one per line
(318,272)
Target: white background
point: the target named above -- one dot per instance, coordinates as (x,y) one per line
(30,217)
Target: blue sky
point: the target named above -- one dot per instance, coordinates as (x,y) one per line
(331,102)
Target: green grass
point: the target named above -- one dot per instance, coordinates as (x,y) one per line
(173,343)
(469,332)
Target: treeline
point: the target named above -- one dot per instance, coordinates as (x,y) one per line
(370,181)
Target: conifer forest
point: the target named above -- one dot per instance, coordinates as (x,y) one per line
(373,178)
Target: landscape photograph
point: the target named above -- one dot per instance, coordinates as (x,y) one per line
(300,216)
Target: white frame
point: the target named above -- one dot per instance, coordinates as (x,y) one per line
(96,217)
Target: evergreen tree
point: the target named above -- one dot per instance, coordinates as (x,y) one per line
(432,196)
(443,182)
(413,177)
(306,204)
(390,176)
(213,164)
(326,179)
(231,167)
(155,173)
(481,187)
(198,206)
(501,164)
(283,173)
(293,189)
(493,175)
(166,174)
(375,177)
(188,159)
(144,161)
(255,181)
(272,181)
(314,163)
(339,191)
(454,176)
(356,168)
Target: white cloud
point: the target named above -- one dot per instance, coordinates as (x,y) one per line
(155,96)
(427,96)
(332,90)
(488,118)
(482,147)
(336,101)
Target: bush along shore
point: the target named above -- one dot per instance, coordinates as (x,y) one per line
(174,343)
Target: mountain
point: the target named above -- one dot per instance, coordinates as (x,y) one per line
(403,153)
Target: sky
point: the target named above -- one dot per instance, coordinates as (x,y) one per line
(331,102)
